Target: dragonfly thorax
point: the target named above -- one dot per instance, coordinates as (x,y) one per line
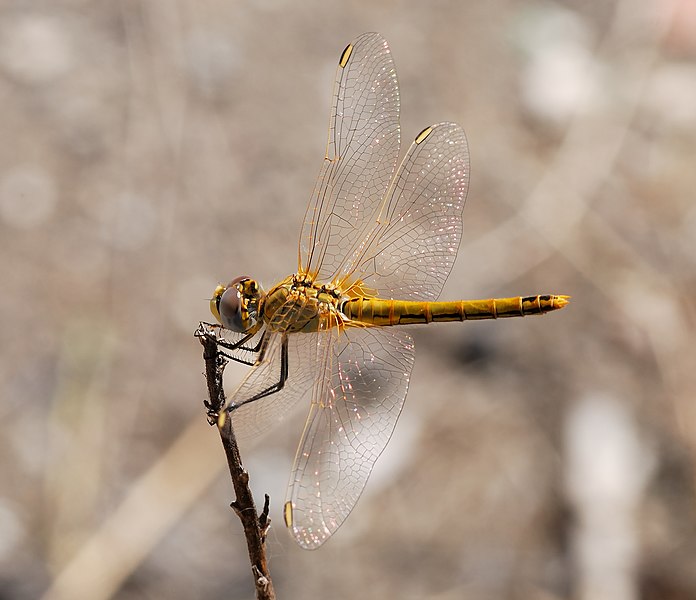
(298,304)
(236,305)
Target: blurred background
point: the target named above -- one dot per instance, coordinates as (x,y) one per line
(153,149)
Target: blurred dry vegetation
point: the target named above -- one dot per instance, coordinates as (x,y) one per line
(152,149)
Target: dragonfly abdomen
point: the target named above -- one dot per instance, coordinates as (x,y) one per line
(377,311)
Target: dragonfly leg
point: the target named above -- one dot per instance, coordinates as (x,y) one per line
(240,345)
(276,387)
(243,361)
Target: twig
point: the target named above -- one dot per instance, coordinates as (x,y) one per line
(255,526)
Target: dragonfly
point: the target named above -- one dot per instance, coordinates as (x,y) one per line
(377,244)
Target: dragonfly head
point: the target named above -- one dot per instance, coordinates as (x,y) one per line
(235,305)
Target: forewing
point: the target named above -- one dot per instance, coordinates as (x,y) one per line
(411,250)
(355,406)
(253,419)
(361,155)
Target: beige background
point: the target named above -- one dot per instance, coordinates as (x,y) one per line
(152,149)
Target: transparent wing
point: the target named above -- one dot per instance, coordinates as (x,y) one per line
(361,155)
(355,405)
(255,418)
(410,252)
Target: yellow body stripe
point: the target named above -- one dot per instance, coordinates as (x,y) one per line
(376,311)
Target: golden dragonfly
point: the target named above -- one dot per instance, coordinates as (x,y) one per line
(378,241)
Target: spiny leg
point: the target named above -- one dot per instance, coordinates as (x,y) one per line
(240,346)
(276,387)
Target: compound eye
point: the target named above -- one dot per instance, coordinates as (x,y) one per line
(230,308)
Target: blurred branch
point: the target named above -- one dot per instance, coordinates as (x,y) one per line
(112,552)
(584,161)
(255,526)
